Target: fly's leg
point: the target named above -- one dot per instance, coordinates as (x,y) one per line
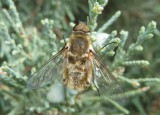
(65,76)
(104,47)
(95,84)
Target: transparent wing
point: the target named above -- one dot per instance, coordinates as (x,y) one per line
(49,71)
(108,85)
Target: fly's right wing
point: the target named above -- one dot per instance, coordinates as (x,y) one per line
(108,85)
(49,71)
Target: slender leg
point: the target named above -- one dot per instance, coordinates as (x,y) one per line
(104,46)
(95,84)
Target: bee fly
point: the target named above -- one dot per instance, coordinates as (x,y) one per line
(77,62)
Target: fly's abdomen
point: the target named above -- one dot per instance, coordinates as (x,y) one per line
(76,74)
(78,80)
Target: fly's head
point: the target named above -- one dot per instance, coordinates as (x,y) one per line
(81,28)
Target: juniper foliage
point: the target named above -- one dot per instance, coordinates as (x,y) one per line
(32,31)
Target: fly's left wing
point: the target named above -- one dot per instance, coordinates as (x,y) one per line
(49,71)
(108,85)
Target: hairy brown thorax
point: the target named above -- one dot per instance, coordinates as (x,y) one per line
(77,67)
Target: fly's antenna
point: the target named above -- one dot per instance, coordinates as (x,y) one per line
(97,89)
(95,84)
(104,46)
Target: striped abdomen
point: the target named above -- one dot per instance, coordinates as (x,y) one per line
(77,72)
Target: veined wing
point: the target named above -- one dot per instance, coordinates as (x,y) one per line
(107,84)
(49,71)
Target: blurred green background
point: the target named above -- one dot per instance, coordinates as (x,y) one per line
(33,30)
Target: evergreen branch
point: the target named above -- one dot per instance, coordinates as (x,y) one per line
(110,22)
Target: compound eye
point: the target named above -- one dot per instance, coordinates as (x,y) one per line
(81,26)
(85,29)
